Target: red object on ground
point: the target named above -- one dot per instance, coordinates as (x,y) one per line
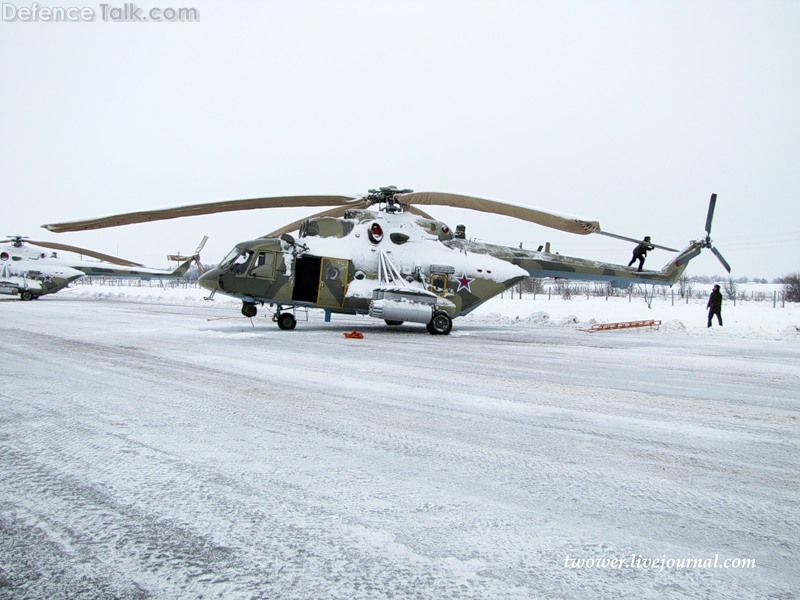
(354,335)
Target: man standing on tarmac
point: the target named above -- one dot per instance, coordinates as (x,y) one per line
(714,305)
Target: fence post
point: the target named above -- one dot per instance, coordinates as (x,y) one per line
(774,297)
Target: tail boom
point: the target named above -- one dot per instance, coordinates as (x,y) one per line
(545,264)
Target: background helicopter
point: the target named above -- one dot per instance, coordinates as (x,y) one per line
(382,256)
(28,272)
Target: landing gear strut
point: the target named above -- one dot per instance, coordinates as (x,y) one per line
(440,324)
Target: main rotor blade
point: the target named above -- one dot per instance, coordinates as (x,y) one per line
(106,257)
(721,259)
(627,239)
(193,210)
(711,204)
(571,225)
(419,212)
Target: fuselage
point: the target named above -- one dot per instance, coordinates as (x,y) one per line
(29,272)
(334,264)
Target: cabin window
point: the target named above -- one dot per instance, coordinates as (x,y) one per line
(264,265)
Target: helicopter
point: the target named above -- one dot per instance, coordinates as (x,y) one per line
(28,272)
(380,255)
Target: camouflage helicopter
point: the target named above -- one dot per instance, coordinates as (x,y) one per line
(26,271)
(382,256)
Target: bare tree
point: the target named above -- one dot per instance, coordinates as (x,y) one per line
(563,289)
(685,287)
(731,287)
(791,287)
(532,286)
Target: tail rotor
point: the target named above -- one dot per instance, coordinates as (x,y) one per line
(194,257)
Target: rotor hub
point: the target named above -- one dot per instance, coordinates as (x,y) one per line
(17,240)
(386,196)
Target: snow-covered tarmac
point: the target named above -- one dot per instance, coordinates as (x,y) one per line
(159,446)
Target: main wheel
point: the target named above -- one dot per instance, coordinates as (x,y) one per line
(249,309)
(286,321)
(440,324)
(26,295)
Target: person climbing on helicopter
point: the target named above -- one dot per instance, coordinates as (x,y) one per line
(640,252)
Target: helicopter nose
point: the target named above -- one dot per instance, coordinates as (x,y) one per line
(210,279)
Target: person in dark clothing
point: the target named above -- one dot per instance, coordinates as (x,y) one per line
(714,305)
(641,251)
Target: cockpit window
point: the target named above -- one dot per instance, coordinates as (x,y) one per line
(226,262)
(240,262)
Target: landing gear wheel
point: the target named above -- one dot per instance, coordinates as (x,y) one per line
(249,309)
(440,324)
(26,295)
(393,323)
(286,321)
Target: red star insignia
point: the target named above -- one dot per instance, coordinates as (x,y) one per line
(464,283)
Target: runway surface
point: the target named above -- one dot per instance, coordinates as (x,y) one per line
(147,451)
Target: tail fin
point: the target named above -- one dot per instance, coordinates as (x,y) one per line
(183,268)
(675,268)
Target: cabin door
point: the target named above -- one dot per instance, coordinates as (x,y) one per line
(332,283)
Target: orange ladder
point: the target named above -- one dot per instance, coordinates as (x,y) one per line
(624,325)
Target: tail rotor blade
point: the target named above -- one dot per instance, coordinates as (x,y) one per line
(711,204)
(201,244)
(721,259)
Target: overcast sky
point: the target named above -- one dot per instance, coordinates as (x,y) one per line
(630,113)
